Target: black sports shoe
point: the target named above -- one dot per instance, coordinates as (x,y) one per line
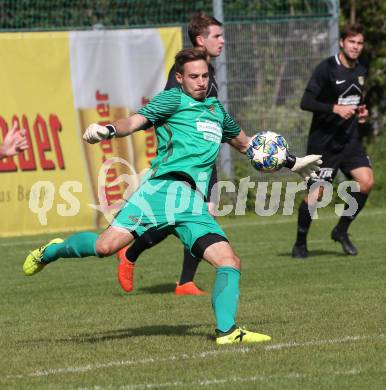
(343,238)
(300,251)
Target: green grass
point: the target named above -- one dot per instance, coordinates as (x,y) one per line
(72,327)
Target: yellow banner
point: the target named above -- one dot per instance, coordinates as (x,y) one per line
(54,85)
(36,91)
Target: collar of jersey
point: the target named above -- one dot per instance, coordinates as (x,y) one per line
(207,102)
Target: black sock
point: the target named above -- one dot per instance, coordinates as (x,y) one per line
(345,221)
(189,267)
(304,222)
(146,241)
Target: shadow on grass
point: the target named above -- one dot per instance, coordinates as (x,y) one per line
(158,289)
(122,334)
(315,253)
(165,288)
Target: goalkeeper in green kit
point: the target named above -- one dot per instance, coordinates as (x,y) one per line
(190,129)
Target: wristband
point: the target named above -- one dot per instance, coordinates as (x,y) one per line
(290,162)
(112,131)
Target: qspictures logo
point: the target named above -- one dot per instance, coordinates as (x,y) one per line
(267,201)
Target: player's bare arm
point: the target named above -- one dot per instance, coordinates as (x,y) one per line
(241,142)
(127,126)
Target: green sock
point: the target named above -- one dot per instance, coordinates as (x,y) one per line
(225,297)
(78,245)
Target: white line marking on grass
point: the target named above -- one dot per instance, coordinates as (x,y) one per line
(119,363)
(234,379)
(314,343)
(184,356)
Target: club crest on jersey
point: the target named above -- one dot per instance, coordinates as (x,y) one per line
(211,108)
(361,80)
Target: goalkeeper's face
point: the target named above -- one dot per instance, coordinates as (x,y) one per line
(194,80)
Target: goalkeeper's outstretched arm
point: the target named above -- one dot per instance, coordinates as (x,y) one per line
(120,128)
(241,142)
(306,166)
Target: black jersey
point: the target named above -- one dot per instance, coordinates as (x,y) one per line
(332,83)
(212,85)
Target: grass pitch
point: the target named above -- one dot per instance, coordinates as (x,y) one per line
(71,327)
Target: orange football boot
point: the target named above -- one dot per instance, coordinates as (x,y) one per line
(189,288)
(125,271)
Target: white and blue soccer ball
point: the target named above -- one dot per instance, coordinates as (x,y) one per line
(267,151)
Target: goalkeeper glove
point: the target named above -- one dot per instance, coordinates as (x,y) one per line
(306,166)
(96,133)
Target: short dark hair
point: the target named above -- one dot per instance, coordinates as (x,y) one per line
(350,30)
(199,25)
(189,55)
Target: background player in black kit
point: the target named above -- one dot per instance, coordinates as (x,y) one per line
(204,32)
(334,96)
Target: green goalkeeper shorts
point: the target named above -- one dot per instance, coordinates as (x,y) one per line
(161,203)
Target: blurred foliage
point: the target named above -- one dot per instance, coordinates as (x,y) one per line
(376,150)
(236,10)
(372,15)
(65,14)
(70,14)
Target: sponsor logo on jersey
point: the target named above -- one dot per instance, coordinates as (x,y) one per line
(211,131)
(349,100)
(351,96)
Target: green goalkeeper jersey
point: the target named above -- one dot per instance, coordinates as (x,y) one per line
(189,134)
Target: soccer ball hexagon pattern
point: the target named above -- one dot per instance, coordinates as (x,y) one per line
(267,151)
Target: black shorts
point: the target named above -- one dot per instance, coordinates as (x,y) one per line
(351,156)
